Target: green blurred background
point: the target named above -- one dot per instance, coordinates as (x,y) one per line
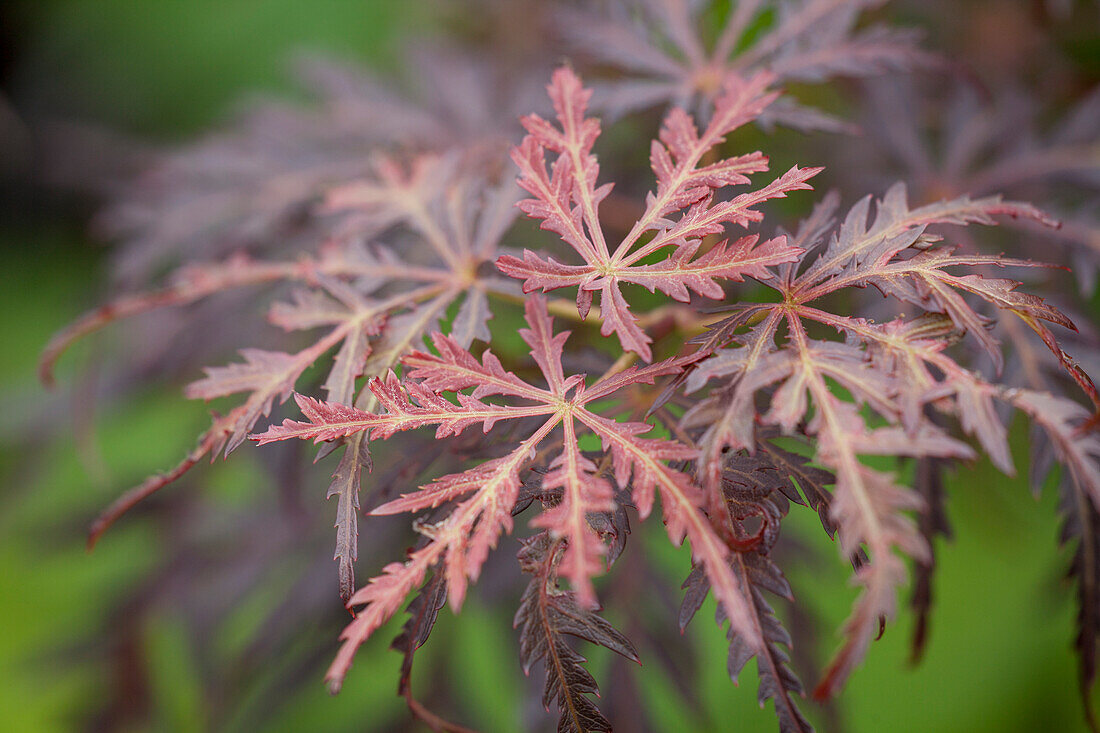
(1000,652)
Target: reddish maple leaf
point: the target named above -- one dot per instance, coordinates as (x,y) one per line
(567,201)
(372,304)
(893,370)
(486,493)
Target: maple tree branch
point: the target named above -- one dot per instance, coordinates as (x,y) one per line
(430,719)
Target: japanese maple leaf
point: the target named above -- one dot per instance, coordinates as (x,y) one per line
(567,200)
(951,138)
(252,183)
(947,138)
(659,44)
(891,370)
(450,391)
(372,304)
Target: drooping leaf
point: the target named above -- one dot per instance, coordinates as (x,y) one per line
(932,524)
(546,615)
(345,484)
(751,488)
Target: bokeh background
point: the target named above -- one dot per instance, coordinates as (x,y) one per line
(152,631)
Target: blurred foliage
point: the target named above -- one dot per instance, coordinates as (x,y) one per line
(999,658)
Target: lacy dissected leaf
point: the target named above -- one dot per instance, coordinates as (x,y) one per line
(796,473)
(813,398)
(567,198)
(893,371)
(345,484)
(374,305)
(861,245)
(666,60)
(454,215)
(1081,530)
(546,615)
(266,375)
(727,414)
(1070,428)
(612,525)
(429,204)
(956,138)
(777,681)
(423,611)
(754,488)
(891,253)
(252,184)
(869,510)
(868,505)
(484,495)
(882,254)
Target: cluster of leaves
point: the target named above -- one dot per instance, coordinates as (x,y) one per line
(780,398)
(660,47)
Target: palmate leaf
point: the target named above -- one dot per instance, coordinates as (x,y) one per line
(567,201)
(485,494)
(252,183)
(546,615)
(891,370)
(894,254)
(374,305)
(659,45)
(958,138)
(266,376)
